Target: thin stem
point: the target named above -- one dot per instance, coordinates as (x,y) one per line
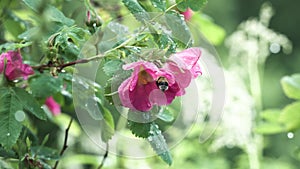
(111,94)
(255,82)
(104,157)
(65,146)
(172,6)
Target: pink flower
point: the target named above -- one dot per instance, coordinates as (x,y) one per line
(141,90)
(187,14)
(53,106)
(14,67)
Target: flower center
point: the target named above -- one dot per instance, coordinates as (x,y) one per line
(144,78)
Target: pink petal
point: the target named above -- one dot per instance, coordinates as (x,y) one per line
(1,64)
(26,71)
(123,91)
(53,106)
(12,71)
(173,91)
(188,59)
(14,57)
(139,97)
(183,77)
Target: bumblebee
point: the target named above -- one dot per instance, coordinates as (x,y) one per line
(162,84)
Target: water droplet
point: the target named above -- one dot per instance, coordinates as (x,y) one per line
(86,105)
(148,104)
(96,99)
(290,135)
(150,138)
(158,146)
(20,115)
(274,48)
(8,134)
(131,89)
(146,116)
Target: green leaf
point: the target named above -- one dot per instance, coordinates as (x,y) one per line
(113,34)
(182,5)
(195,5)
(271,115)
(13,46)
(270,122)
(92,108)
(214,33)
(33,4)
(139,129)
(107,125)
(158,143)
(29,103)
(45,85)
(6,154)
(14,23)
(290,116)
(137,10)
(44,153)
(165,115)
(291,86)
(69,40)
(270,128)
(4,164)
(52,13)
(10,127)
(159,4)
(164,41)
(180,31)
(29,34)
(55,15)
(113,66)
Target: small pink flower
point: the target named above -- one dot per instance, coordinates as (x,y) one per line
(14,67)
(140,91)
(187,14)
(53,106)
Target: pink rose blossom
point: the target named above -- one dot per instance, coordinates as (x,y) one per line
(53,106)
(140,91)
(187,14)
(14,67)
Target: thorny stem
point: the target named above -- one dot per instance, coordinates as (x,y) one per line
(254,149)
(104,157)
(65,146)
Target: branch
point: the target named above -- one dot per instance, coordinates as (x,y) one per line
(65,146)
(61,66)
(104,157)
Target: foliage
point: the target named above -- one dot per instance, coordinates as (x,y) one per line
(63,41)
